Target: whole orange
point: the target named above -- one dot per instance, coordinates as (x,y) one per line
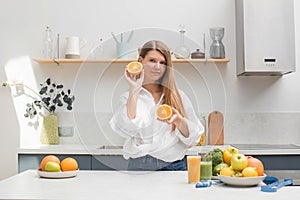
(69,164)
(254,162)
(48,158)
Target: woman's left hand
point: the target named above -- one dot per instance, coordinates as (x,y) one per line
(176,118)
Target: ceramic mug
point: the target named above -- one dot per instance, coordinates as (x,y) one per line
(74,44)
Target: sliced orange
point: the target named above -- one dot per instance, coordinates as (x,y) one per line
(135,68)
(164,112)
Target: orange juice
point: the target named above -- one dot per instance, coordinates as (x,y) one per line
(193,165)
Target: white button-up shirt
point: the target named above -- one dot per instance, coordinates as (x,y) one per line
(146,135)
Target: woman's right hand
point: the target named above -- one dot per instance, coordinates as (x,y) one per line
(135,82)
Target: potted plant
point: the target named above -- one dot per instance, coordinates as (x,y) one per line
(50,96)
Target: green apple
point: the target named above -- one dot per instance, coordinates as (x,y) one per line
(218,168)
(239,161)
(52,167)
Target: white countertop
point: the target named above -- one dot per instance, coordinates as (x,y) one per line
(94,150)
(128,185)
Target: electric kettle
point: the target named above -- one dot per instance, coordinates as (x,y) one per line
(73,46)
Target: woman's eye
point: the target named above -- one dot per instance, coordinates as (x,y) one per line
(152,60)
(163,63)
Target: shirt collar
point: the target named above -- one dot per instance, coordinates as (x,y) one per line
(147,93)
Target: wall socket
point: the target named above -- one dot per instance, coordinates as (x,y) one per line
(65,131)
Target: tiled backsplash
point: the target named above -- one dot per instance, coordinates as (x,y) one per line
(262,128)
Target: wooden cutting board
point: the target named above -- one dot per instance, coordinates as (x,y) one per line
(215,128)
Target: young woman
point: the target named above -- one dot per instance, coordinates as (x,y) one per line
(153,144)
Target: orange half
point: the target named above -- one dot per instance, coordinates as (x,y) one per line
(164,112)
(135,68)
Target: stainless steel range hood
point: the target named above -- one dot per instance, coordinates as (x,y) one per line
(265,37)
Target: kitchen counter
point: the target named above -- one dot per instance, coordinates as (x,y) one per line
(95,157)
(128,185)
(268,149)
(95,150)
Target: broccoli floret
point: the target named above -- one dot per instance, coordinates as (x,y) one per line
(216,156)
(218,150)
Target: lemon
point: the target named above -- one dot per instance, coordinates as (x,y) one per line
(227,171)
(249,172)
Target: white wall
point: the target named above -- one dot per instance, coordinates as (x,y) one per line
(249,101)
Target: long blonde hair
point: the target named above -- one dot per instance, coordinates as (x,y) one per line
(172,96)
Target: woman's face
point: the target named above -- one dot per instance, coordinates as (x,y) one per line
(155,66)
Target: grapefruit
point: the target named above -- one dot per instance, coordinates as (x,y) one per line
(48,158)
(254,162)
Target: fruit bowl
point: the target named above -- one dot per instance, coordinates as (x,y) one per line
(61,174)
(242,181)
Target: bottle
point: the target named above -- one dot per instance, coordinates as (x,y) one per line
(97,51)
(203,136)
(48,44)
(182,52)
(202,184)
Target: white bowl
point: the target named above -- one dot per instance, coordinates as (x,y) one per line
(67,174)
(242,181)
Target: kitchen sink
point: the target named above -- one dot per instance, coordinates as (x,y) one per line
(110,147)
(265,146)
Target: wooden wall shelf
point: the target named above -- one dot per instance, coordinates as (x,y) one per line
(58,61)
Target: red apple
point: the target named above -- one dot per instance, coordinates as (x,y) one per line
(239,162)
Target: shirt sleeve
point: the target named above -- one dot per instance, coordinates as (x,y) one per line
(195,127)
(120,122)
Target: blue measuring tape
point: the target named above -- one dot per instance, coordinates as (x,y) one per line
(273,184)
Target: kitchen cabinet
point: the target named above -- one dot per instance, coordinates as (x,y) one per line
(85,162)
(104,162)
(280,162)
(32,161)
(117,162)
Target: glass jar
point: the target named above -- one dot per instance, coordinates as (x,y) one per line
(48,44)
(182,52)
(203,136)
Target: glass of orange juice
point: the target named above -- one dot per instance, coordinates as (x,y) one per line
(193,166)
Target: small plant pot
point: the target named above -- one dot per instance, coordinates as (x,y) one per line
(49,131)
